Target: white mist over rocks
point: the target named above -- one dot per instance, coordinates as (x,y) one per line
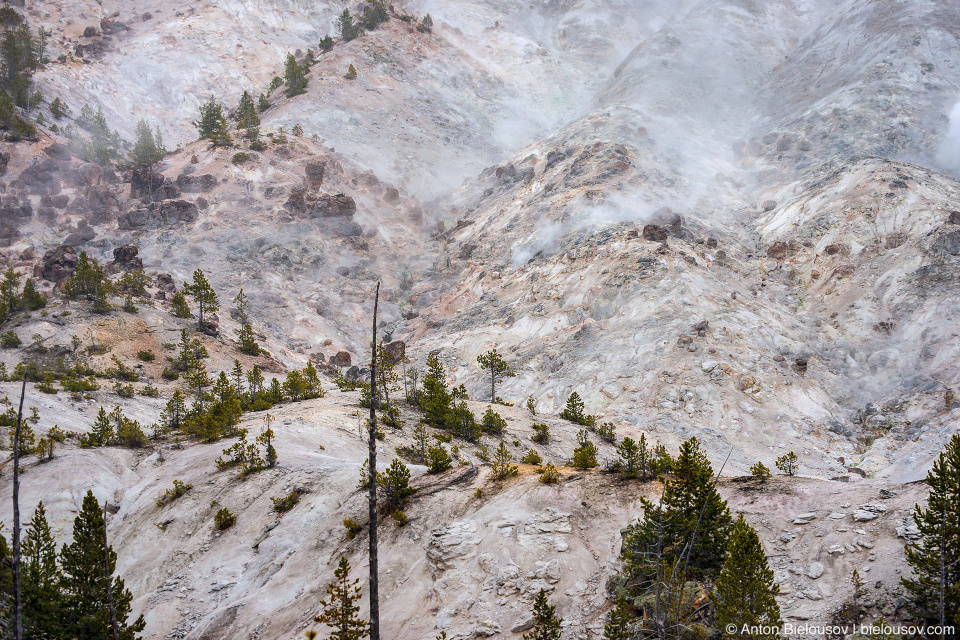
(948,155)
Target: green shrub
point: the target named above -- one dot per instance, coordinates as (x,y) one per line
(56,433)
(502,469)
(607,432)
(541,433)
(146,355)
(240,158)
(483,453)
(438,460)
(399,517)
(760,472)
(224,519)
(124,390)
(549,475)
(492,422)
(179,489)
(284,504)
(353,527)
(169,374)
(150,391)
(532,457)
(258,145)
(10,340)
(585,455)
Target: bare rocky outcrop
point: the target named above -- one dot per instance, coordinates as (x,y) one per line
(57,264)
(125,258)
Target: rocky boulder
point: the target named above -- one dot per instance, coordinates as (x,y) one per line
(42,178)
(654,233)
(125,259)
(174,211)
(340,359)
(151,186)
(315,171)
(334,206)
(396,351)
(57,264)
(196,184)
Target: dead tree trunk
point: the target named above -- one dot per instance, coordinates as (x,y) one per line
(17,603)
(106,576)
(372,467)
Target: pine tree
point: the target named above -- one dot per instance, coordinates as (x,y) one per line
(203,294)
(629,454)
(745,592)
(574,411)
(788,463)
(348,30)
(374,15)
(935,558)
(421,441)
(87,566)
(236,374)
(10,292)
(213,125)
(247,340)
(246,114)
(89,280)
(174,413)
(295,77)
(394,486)
(40,580)
(326,44)
(621,619)
(502,469)
(266,440)
(499,369)
(546,624)
(340,608)
(263,103)
(690,505)
(146,150)
(102,433)
(435,399)
(585,455)
(179,306)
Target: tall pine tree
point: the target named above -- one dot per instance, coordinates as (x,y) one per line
(691,520)
(204,295)
(546,624)
(295,77)
(87,565)
(213,125)
(40,580)
(744,594)
(935,559)
(340,608)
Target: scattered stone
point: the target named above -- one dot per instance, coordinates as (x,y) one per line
(769,205)
(886,494)
(708,365)
(778,250)
(954,217)
(805,518)
(815,570)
